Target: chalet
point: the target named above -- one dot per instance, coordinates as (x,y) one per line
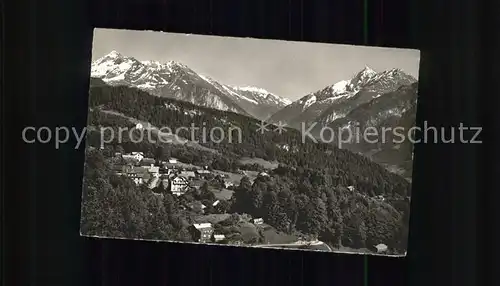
(263,174)
(228,184)
(381,248)
(137,174)
(169,168)
(137,178)
(351,188)
(202,232)
(179,186)
(219,237)
(172,161)
(135,156)
(258,221)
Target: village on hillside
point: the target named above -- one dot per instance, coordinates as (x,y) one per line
(181,180)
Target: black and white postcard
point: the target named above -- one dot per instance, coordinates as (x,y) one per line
(249,142)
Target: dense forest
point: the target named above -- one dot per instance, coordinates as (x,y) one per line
(290,201)
(307,193)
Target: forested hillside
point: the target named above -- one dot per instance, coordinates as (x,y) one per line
(347,168)
(317,189)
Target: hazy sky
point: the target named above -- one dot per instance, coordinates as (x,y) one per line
(288,69)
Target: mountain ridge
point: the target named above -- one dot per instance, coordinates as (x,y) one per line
(342,93)
(175,80)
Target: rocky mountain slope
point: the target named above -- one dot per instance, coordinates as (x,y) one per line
(178,81)
(336,101)
(392,115)
(368,100)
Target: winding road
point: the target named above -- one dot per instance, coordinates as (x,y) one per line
(321,245)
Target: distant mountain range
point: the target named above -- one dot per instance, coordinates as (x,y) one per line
(368,99)
(176,80)
(337,100)
(377,100)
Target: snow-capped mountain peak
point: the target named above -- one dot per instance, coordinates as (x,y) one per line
(368,70)
(177,80)
(336,100)
(114,54)
(264,94)
(362,77)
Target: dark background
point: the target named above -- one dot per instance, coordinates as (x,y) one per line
(46,76)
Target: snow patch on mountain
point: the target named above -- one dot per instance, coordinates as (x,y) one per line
(340,87)
(253,89)
(310,101)
(264,94)
(336,100)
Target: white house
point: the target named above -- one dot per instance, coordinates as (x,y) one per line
(136,178)
(351,188)
(178,186)
(381,248)
(172,161)
(203,232)
(215,203)
(219,237)
(202,225)
(258,221)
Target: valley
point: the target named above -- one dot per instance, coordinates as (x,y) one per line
(369,98)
